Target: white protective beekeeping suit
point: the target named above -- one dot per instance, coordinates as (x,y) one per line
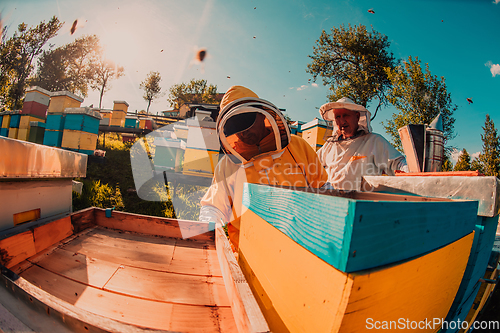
(348,160)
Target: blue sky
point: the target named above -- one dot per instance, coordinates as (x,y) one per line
(265,44)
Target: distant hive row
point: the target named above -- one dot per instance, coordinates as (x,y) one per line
(57,119)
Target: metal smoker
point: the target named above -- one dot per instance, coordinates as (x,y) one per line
(423,146)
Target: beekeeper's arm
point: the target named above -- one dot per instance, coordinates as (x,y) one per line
(216,205)
(387,158)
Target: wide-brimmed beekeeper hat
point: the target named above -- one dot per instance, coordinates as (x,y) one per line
(327,113)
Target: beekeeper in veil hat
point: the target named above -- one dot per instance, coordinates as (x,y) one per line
(352,150)
(258,149)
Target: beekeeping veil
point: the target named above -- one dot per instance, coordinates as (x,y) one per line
(327,113)
(242,111)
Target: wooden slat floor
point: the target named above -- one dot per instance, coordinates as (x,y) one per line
(160,283)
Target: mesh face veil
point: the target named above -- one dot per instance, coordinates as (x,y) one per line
(250,127)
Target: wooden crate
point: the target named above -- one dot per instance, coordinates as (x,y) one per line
(61,100)
(79,140)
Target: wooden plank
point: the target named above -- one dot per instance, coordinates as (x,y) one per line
(245,309)
(16,248)
(79,267)
(169,287)
(83,219)
(112,246)
(324,299)
(337,229)
(131,310)
(52,233)
(152,225)
(195,258)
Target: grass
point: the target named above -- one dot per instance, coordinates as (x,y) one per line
(110,183)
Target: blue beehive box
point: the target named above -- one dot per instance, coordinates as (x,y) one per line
(52,138)
(131,122)
(4,132)
(15,119)
(55,121)
(83,119)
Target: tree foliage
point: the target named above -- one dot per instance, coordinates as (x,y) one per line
(104,71)
(17,55)
(196,91)
(353,62)
(151,87)
(69,67)
(463,162)
(420,97)
(489,158)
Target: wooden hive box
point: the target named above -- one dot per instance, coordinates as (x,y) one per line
(169,154)
(36,102)
(131,122)
(82,119)
(314,132)
(61,100)
(486,190)
(15,119)
(202,148)
(352,257)
(37,130)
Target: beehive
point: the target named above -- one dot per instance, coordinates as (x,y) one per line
(314,132)
(61,100)
(37,130)
(81,128)
(131,122)
(202,149)
(120,109)
(36,102)
(169,154)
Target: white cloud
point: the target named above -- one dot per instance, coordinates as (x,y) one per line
(455,154)
(494,68)
(302,87)
(315,84)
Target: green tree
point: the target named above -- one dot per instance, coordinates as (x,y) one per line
(352,61)
(196,91)
(463,162)
(420,97)
(17,55)
(69,67)
(476,165)
(447,164)
(151,87)
(490,155)
(104,71)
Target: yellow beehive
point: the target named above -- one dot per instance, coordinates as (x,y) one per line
(23,134)
(78,140)
(61,100)
(13,132)
(314,132)
(6,121)
(26,119)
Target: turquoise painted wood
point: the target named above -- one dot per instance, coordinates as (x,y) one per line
(55,122)
(4,132)
(484,237)
(15,120)
(81,122)
(354,235)
(131,122)
(52,138)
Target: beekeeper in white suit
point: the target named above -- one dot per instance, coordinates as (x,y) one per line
(353,151)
